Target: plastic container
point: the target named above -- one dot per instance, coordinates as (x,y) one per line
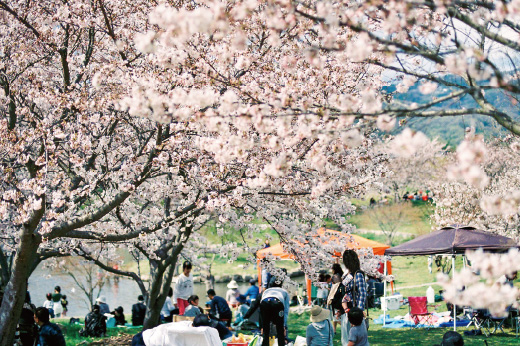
(390,303)
(430,295)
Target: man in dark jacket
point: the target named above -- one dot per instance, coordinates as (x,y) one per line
(50,333)
(138,312)
(219,305)
(95,323)
(26,327)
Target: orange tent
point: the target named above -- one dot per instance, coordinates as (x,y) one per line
(351,241)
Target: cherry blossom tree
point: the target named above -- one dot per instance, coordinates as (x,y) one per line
(482,195)
(78,166)
(459,48)
(69,158)
(161,250)
(492,207)
(230,108)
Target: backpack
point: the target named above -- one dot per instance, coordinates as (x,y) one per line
(338,297)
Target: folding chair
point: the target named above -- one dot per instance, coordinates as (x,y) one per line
(486,323)
(497,323)
(300,296)
(419,311)
(479,318)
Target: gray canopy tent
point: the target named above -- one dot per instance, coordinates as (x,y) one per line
(452,240)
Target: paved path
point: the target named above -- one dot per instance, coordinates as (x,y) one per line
(419,285)
(377,231)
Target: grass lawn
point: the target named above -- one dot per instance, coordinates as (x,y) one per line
(298,324)
(243,267)
(376,334)
(416,218)
(72,338)
(405,336)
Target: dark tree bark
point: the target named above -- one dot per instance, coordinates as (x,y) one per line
(14,295)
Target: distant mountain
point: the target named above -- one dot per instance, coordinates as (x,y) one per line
(451,129)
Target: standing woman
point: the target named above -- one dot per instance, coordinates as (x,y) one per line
(56,301)
(354,282)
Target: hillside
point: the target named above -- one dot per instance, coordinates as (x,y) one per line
(450,130)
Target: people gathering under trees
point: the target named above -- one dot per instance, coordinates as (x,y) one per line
(344,301)
(104,106)
(419,195)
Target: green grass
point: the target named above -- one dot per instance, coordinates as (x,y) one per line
(71,332)
(242,266)
(298,325)
(377,335)
(416,219)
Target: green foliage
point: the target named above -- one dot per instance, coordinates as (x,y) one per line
(450,130)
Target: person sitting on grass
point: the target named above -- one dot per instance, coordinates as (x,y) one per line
(358,332)
(252,292)
(320,331)
(103,306)
(219,305)
(193,309)
(95,323)
(138,312)
(27,330)
(233,293)
(119,316)
(49,334)
(168,307)
(206,321)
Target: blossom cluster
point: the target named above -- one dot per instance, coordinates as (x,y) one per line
(483,284)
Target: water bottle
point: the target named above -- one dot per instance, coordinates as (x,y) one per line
(430,295)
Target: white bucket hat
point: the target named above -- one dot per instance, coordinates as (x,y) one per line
(232,284)
(101,299)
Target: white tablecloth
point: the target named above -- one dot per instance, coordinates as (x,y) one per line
(181,334)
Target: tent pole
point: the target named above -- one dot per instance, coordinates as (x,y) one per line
(308,283)
(454,306)
(384,296)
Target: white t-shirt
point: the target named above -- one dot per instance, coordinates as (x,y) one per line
(167,307)
(48,304)
(232,295)
(183,288)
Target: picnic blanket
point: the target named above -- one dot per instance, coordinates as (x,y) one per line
(399,324)
(381,320)
(461,323)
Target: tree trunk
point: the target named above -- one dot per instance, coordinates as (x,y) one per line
(14,295)
(157,296)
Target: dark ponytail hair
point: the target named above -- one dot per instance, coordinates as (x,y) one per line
(351,261)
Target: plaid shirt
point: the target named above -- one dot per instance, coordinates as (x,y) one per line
(361,290)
